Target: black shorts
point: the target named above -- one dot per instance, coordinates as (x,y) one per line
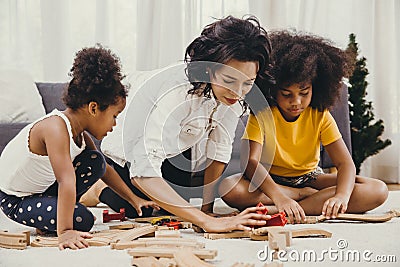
(298,181)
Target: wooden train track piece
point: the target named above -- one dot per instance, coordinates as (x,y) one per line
(167,233)
(100,238)
(132,234)
(356,217)
(262,233)
(229,235)
(241,264)
(146,262)
(14,240)
(186,257)
(159,242)
(169,252)
(124,226)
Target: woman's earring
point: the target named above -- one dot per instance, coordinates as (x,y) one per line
(206,71)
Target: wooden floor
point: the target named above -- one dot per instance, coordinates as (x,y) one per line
(393,187)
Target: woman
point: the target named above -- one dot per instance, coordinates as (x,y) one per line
(168,115)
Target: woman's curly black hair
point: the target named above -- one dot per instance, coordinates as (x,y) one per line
(299,57)
(226,39)
(96,77)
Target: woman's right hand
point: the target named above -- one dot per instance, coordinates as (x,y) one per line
(242,221)
(292,209)
(73,239)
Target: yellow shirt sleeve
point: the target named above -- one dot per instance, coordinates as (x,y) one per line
(253,130)
(329,130)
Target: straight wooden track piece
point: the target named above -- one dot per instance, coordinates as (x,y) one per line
(167,233)
(186,257)
(274,264)
(261,234)
(169,252)
(356,217)
(241,264)
(14,240)
(164,242)
(229,235)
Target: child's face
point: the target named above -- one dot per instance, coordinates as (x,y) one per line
(105,120)
(294,99)
(233,81)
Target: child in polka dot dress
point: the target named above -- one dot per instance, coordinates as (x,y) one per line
(53,161)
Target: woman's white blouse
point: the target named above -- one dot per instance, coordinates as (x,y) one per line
(161,120)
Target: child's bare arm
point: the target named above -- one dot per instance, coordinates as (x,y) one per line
(212,173)
(346,176)
(260,178)
(57,143)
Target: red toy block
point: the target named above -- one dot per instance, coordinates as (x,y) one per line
(278,219)
(114,216)
(265,212)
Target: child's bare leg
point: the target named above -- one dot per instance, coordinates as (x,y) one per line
(234,190)
(368,193)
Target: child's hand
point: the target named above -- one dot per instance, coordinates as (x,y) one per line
(73,239)
(292,209)
(138,204)
(334,205)
(242,221)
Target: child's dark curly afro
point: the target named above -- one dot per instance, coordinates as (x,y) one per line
(96,77)
(300,58)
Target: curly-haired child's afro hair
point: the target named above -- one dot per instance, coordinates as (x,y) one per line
(226,39)
(300,57)
(96,77)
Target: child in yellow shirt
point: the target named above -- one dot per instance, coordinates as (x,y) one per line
(283,140)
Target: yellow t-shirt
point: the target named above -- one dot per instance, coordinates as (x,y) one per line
(292,147)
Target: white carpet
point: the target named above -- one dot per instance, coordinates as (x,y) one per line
(374,240)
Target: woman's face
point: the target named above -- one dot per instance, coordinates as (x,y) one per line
(233,80)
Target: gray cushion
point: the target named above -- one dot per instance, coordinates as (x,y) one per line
(52,95)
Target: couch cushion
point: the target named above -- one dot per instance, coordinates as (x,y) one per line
(19,97)
(52,95)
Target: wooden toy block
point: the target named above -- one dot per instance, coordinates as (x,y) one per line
(277,241)
(114,216)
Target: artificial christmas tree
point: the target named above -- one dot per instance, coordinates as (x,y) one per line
(365,133)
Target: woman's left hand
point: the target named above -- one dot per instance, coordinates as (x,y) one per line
(334,205)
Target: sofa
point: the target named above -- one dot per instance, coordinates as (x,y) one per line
(188,184)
